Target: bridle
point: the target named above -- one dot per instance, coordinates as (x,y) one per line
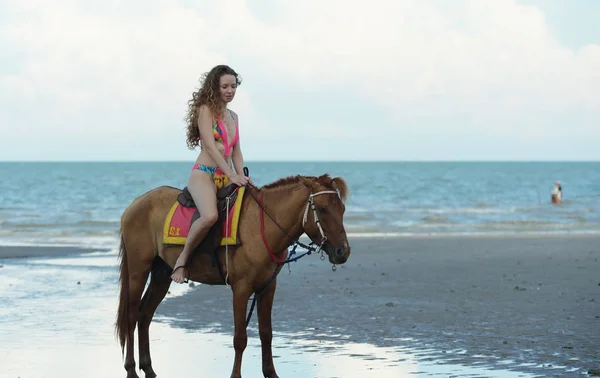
(280,261)
(311,203)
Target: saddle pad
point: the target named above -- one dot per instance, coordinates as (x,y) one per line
(179,220)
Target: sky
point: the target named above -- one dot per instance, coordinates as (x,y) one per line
(413,80)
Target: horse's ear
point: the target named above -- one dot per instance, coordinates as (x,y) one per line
(340,185)
(308,182)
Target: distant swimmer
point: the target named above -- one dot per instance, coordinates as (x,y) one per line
(557,193)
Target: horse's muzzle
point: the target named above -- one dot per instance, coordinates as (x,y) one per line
(339,254)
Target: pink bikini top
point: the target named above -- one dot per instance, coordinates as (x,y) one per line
(220,134)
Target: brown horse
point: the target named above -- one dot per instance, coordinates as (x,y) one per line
(271,219)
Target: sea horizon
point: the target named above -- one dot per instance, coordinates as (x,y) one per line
(317,161)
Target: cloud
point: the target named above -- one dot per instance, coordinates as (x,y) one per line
(489,64)
(115,73)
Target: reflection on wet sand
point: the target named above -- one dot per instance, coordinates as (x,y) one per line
(57,321)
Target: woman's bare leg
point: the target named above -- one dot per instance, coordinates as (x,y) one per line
(204,193)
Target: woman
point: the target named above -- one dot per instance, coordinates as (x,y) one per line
(556,194)
(213,127)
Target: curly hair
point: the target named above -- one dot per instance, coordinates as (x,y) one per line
(209,95)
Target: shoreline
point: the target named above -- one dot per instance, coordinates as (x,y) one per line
(14,250)
(472,235)
(29,251)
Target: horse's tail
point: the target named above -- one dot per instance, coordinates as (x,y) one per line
(122,323)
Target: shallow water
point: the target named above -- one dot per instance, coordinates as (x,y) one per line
(81,203)
(57,314)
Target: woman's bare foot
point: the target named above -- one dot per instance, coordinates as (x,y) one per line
(179,273)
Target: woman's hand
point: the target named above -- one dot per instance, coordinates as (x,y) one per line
(239,180)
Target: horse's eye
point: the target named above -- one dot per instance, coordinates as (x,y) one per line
(321,210)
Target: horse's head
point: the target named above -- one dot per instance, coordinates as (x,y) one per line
(323,219)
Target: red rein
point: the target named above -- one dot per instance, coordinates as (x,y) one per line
(276,260)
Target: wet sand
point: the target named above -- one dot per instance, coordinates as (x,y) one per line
(528,304)
(19,252)
(56,321)
(400,307)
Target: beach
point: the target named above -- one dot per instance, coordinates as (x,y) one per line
(411,306)
(525,303)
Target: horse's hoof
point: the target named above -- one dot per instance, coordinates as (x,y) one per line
(149,372)
(132,374)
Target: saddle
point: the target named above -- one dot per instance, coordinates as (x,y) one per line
(213,239)
(225,231)
(186,200)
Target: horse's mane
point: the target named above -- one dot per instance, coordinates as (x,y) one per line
(325,180)
(282,182)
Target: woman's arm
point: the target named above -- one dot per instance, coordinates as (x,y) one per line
(205,128)
(236,155)
(238,159)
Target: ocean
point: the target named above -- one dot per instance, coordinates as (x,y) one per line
(80,203)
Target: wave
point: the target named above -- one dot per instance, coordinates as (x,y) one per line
(357,228)
(474,210)
(87,242)
(521,222)
(25,226)
(577,218)
(443,226)
(435,219)
(109,245)
(356,209)
(537,224)
(79,224)
(355,218)
(99,223)
(472,234)
(58,231)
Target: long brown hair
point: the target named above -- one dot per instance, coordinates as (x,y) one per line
(209,95)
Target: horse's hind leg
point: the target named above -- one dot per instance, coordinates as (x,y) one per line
(157,289)
(139,269)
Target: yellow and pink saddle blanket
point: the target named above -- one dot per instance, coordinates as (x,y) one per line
(184,212)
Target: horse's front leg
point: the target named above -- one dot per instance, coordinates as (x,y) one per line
(241,293)
(265,305)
